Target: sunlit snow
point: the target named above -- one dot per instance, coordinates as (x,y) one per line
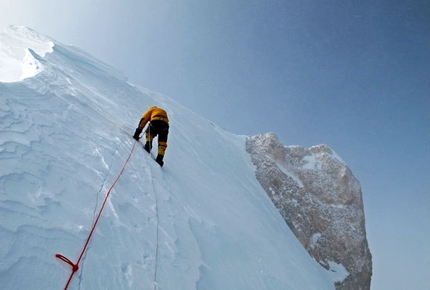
(16,57)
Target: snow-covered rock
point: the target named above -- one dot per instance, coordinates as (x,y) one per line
(321,201)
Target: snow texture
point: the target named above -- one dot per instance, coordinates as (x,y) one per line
(202,221)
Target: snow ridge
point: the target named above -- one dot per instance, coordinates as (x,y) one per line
(200,222)
(17,61)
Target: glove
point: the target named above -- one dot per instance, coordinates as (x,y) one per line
(137,133)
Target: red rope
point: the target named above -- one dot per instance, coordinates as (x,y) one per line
(75,267)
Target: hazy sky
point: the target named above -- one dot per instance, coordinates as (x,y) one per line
(350,74)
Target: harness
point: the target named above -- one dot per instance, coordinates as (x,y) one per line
(159,126)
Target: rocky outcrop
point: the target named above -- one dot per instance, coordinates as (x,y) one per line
(320,200)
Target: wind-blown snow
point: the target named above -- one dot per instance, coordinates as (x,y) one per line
(200,222)
(17,48)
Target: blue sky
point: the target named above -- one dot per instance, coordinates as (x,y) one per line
(352,75)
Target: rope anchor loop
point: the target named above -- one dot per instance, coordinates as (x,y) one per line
(75,267)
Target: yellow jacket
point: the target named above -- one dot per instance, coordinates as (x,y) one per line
(153,113)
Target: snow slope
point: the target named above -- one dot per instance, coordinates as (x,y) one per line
(200,222)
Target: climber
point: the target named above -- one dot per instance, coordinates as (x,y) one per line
(158,125)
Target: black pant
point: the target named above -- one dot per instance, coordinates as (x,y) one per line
(160,128)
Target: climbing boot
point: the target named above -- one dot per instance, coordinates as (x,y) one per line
(148,146)
(159,160)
